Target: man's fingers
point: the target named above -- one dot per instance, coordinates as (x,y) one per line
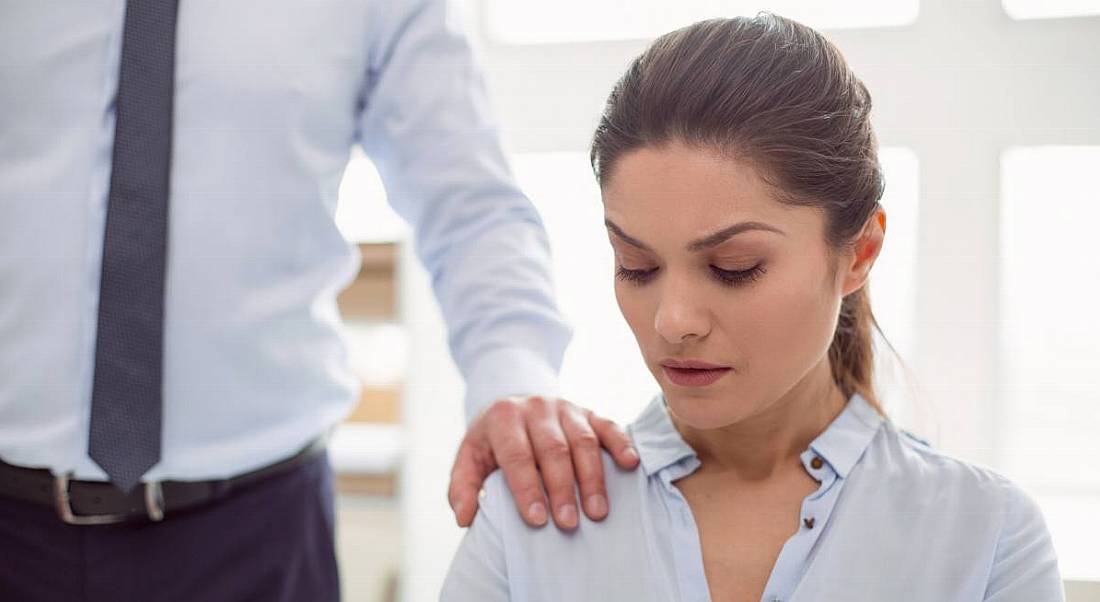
(515,456)
(467,475)
(587,461)
(554,459)
(615,440)
(545,448)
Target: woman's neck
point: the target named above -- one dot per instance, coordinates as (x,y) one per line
(763,444)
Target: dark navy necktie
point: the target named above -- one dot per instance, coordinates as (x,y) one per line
(125,431)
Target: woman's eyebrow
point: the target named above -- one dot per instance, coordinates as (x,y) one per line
(708,241)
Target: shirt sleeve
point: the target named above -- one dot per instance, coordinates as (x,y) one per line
(1025,567)
(426,123)
(479,569)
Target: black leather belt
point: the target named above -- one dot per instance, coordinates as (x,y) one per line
(100,503)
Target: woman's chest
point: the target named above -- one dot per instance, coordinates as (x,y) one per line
(662,544)
(742,531)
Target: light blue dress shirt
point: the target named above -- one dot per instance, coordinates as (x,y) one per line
(270,96)
(894,520)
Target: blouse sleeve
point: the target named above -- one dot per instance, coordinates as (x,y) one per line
(1025,567)
(479,571)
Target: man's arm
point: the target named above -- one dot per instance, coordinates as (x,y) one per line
(427,125)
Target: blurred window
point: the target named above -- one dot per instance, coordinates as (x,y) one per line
(529,22)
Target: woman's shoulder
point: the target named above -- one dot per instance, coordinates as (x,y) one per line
(606,559)
(960,517)
(631,502)
(978,534)
(912,473)
(624,488)
(914,457)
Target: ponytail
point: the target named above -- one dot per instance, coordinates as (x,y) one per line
(851,355)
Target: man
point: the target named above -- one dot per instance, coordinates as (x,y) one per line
(169,349)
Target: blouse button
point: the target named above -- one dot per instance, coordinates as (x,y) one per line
(816,463)
(809,522)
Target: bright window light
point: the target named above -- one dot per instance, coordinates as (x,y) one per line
(1050,292)
(893,285)
(602,369)
(1045,9)
(362,213)
(529,22)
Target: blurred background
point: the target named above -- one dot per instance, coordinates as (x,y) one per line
(988,115)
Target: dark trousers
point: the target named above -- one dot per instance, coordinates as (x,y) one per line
(272,541)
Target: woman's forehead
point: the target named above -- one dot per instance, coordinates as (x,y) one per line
(679,192)
(676,179)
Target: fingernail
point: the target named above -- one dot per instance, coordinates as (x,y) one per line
(537,512)
(597,505)
(630,454)
(567,515)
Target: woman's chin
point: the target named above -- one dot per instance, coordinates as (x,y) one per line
(703,412)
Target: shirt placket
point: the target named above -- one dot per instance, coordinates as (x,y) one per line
(814,514)
(687,552)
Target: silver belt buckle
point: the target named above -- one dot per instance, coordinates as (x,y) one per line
(154,504)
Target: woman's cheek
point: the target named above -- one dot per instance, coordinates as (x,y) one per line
(811,316)
(784,318)
(632,307)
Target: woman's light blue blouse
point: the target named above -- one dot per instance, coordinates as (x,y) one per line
(892,520)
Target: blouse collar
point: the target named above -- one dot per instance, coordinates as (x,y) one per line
(841,444)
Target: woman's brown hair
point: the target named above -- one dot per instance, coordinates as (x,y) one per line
(778,95)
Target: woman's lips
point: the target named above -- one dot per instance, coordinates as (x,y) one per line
(690,377)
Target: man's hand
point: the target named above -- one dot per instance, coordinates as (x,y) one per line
(522,435)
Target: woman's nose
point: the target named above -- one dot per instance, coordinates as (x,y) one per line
(680,315)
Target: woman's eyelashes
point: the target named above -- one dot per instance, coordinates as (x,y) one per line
(726,277)
(636,276)
(739,277)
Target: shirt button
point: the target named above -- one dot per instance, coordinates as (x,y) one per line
(816,463)
(809,522)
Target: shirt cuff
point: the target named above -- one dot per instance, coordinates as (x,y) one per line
(505,371)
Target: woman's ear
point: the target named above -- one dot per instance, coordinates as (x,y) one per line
(865,251)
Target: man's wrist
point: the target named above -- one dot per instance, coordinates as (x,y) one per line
(507,371)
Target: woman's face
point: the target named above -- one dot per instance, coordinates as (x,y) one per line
(712,268)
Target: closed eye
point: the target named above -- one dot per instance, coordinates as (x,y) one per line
(726,277)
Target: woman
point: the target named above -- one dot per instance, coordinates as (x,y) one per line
(740,184)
